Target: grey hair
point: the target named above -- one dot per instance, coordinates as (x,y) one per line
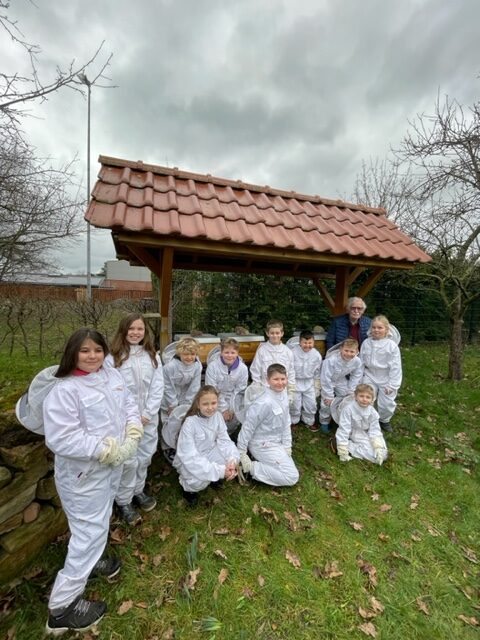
(350,302)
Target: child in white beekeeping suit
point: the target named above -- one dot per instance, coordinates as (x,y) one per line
(308,363)
(359,434)
(182,377)
(133,354)
(267,435)
(383,367)
(92,425)
(205,454)
(229,375)
(341,371)
(272,352)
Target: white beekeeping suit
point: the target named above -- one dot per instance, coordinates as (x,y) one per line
(267,435)
(267,354)
(79,414)
(307,384)
(359,433)
(145,383)
(229,382)
(383,371)
(203,450)
(182,382)
(339,377)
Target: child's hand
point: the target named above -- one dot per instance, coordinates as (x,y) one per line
(388,390)
(230,470)
(327,401)
(145,420)
(169,410)
(227,415)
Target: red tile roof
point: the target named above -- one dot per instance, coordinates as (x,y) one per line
(134,197)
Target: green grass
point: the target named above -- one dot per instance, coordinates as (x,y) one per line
(412,556)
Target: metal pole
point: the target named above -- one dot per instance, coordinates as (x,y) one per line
(89,268)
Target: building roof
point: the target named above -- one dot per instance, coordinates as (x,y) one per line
(56,280)
(202,215)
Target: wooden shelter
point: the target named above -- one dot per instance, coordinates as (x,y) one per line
(164,219)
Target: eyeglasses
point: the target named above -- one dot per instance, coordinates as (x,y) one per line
(356,308)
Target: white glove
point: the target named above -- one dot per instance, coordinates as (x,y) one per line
(380,455)
(291,394)
(317,385)
(289,451)
(134,431)
(343,454)
(110,450)
(245,462)
(127,450)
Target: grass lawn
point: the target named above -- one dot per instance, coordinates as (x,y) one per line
(353,551)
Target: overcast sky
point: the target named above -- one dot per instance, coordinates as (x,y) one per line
(289,93)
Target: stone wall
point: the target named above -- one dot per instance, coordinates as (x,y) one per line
(30,513)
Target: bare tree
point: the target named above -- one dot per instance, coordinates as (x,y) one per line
(432,185)
(39,204)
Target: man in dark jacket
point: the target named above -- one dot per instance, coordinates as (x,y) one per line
(352,324)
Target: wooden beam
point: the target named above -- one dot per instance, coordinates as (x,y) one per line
(146,258)
(371,281)
(341,290)
(327,298)
(165,291)
(353,275)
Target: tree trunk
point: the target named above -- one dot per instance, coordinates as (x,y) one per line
(455,360)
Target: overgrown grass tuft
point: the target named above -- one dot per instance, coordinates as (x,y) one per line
(353,551)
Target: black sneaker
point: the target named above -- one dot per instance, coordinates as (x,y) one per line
(216,485)
(190,497)
(169,455)
(385,426)
(144,502)
(108,567)
(81,615)
(128,514)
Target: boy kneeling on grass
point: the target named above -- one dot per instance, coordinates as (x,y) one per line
(267,435)
(359,434)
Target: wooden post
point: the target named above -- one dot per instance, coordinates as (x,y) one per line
(341,290)
(164,302)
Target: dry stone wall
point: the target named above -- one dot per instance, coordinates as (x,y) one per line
(31,516)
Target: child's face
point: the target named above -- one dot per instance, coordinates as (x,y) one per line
(229,355)
(90,356)
(307,344)
(378,330)
(187,358)
(277,382)
(275,335)
(208,404)
(348,353)
(364,398)
(136,332)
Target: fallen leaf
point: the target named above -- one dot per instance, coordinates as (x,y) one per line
(375,497)
(385,507)
(158,559)
(384,537)
(220,554)
(422,606)
(472,621)
(302,514)
(141,605)
(261,580)
(221,532)
(124,607)
(330,571)
(164,533)
(117,536)
(369,570)
(192,579)
(469,554)
(247,592)
(292,525)
(368,629)
(269,513)
(415,537)
(366,613)
(356,526)
(222,576)
(169,634)
(376,605)
(433,532)
(293,558)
